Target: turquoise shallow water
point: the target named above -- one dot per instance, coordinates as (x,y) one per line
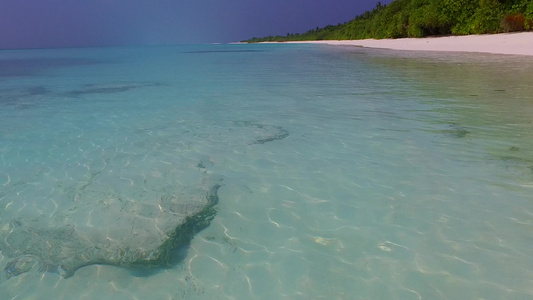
(390,175)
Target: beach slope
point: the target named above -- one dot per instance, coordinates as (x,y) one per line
(505,43)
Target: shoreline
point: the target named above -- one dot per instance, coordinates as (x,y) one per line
(520,43)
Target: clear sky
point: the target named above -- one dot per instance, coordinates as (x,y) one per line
(79,23)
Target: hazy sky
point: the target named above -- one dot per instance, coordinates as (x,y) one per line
(73,23)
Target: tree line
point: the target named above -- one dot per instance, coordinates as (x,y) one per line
(420,18)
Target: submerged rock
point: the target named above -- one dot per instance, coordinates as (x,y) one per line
(265,133)
(131,241)
(109,88)
(20,265)
(129,203)
(458,131)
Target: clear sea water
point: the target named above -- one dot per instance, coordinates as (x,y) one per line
(404,175)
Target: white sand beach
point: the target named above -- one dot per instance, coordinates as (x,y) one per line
(505,43)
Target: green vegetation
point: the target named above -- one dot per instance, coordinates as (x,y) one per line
(420,18)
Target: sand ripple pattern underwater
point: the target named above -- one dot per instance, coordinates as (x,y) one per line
(274,171)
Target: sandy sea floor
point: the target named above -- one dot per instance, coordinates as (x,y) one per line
(391,174)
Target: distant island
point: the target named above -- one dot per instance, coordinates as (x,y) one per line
(422,18)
